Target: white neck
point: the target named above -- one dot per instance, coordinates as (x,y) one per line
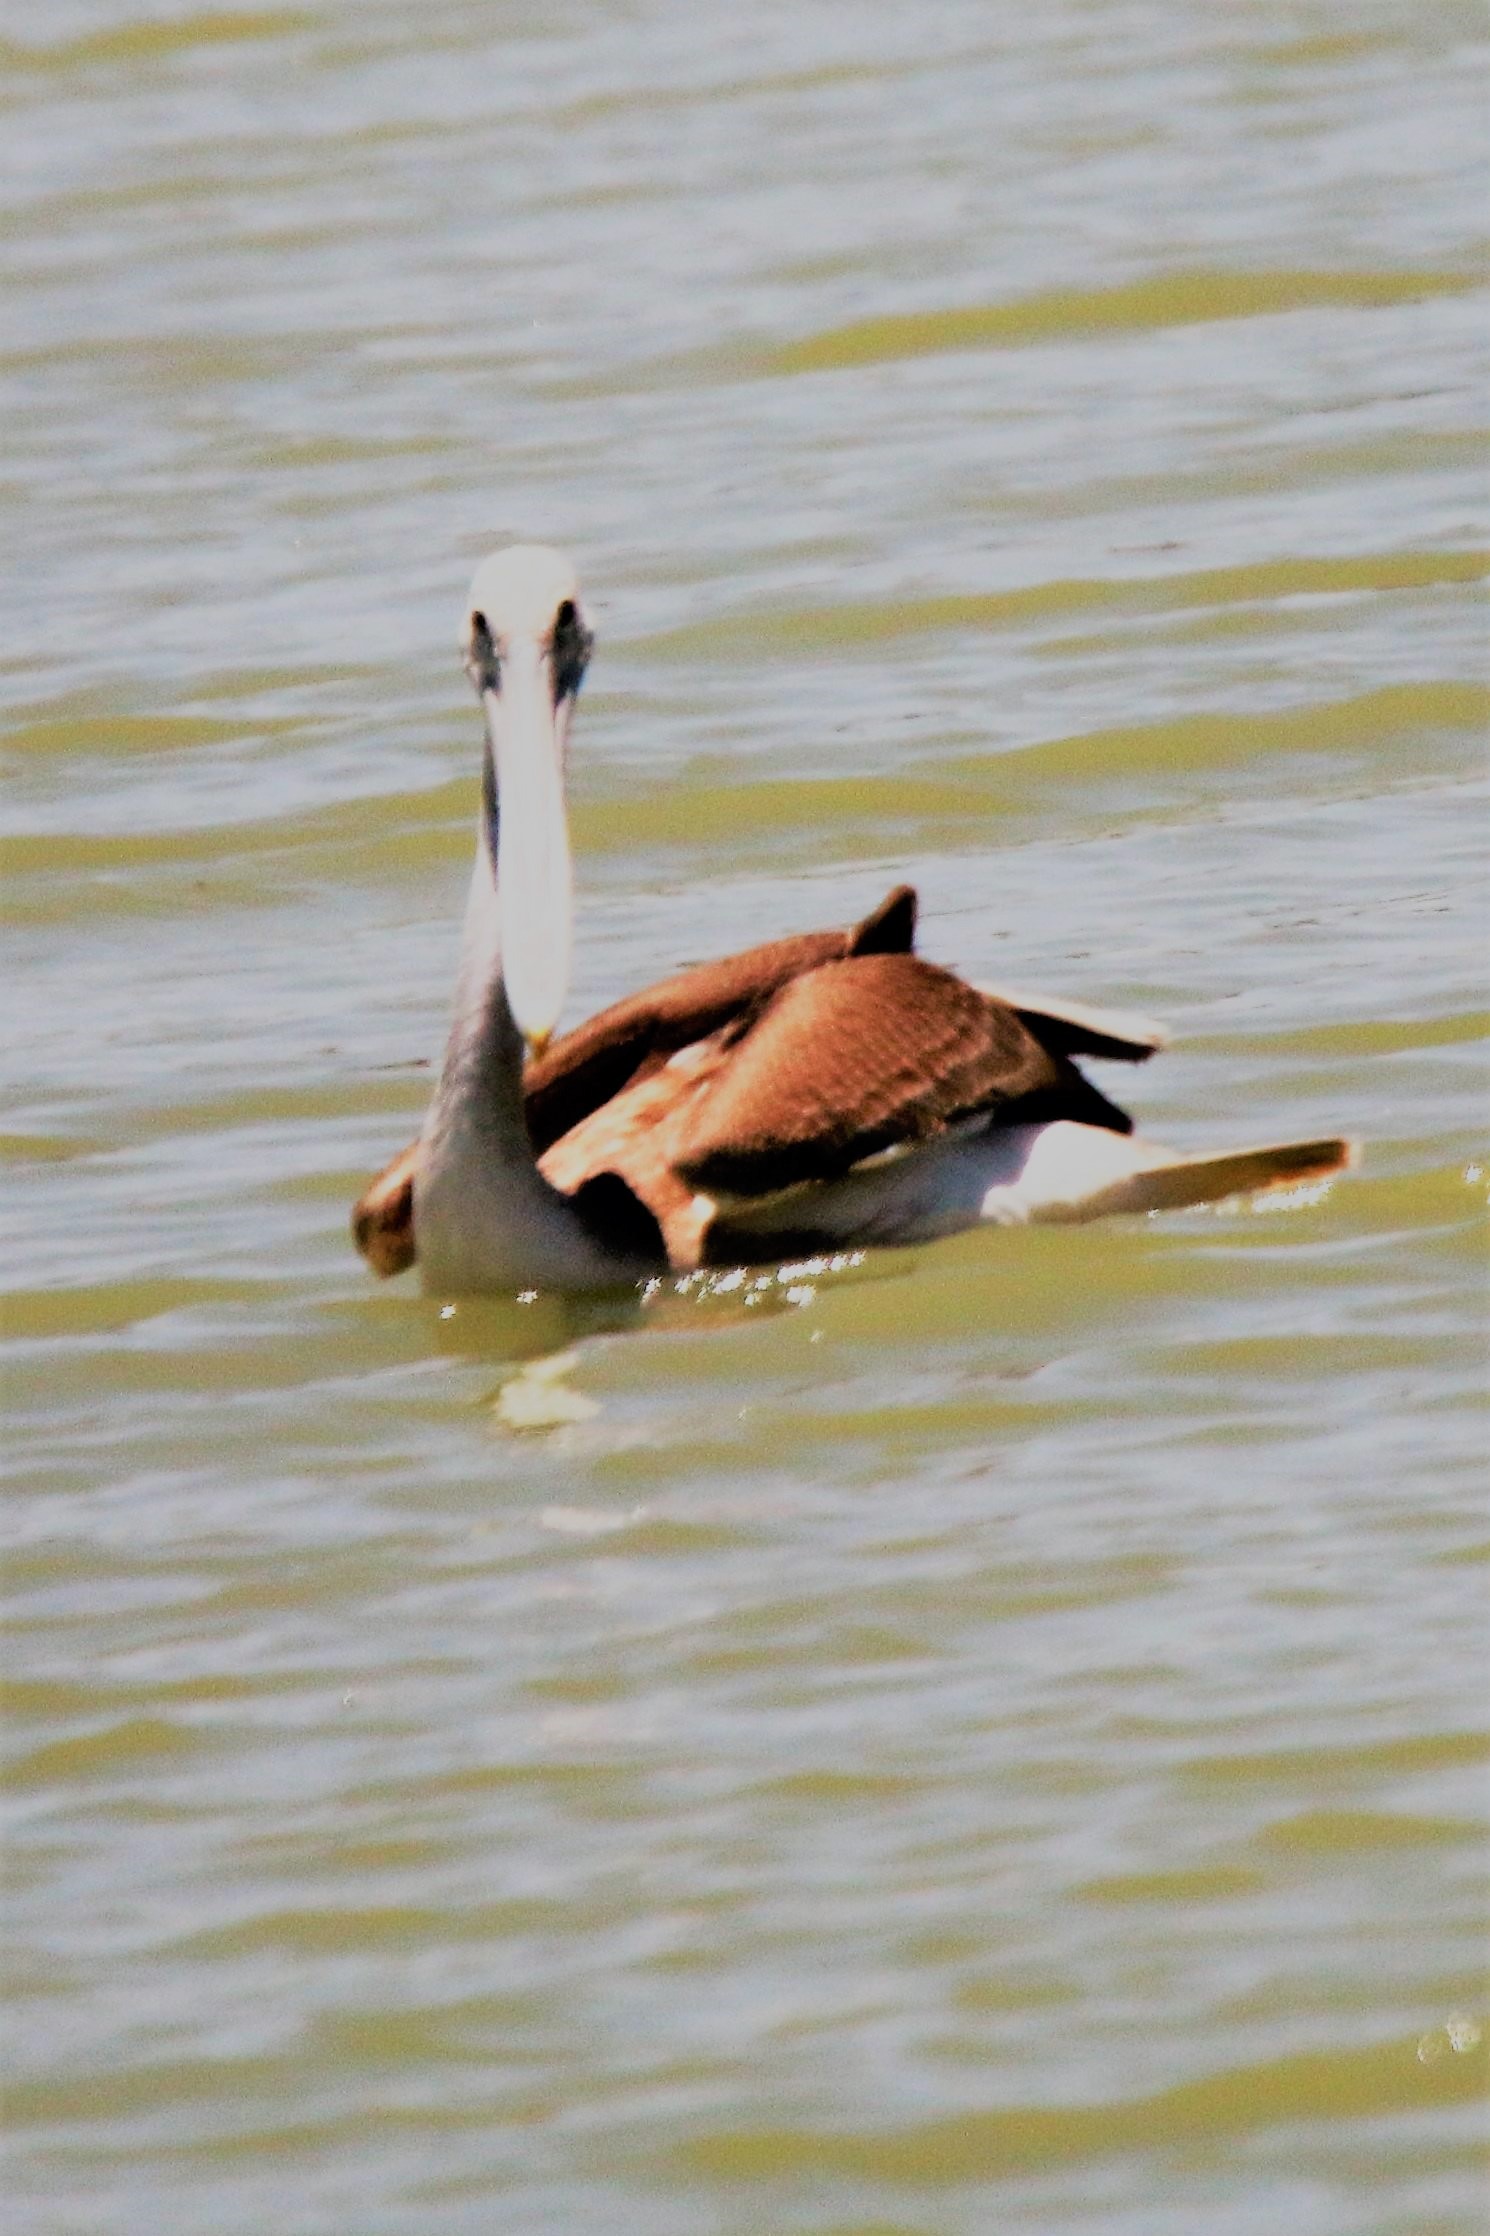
(485,1217)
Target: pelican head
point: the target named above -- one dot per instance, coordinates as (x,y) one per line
(526,644)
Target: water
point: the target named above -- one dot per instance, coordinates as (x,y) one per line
(984,1738)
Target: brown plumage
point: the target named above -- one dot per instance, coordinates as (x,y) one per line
(788,1062)
(383,1216)
(864,1055)
(583,1069)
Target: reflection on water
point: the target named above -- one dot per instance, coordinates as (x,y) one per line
(979,1737)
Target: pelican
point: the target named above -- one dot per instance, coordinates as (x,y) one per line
(818,1092)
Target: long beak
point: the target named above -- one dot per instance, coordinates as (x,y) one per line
(535,880)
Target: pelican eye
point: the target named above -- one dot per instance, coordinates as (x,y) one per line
(482,662)
(571,650)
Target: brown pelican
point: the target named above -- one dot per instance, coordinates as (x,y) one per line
(820,1091)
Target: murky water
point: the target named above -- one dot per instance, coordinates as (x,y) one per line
(987,1739)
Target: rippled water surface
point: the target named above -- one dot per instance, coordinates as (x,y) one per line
(984,1739)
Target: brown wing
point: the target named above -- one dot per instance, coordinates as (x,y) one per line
(628,1144)
(1077,1029)
(383,1216)
(585,1068)
(862,1055)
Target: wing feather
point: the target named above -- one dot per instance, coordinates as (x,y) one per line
(862,1055)
(383,1216)
(586,1067)
(1079,1029)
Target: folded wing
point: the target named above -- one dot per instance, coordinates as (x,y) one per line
(586,1067)
(578,1078)
(863,1055)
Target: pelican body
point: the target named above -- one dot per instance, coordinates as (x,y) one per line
(819,1091)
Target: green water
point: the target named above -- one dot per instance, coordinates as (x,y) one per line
(987,1739)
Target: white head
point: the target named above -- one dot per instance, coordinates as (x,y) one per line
(526,646)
